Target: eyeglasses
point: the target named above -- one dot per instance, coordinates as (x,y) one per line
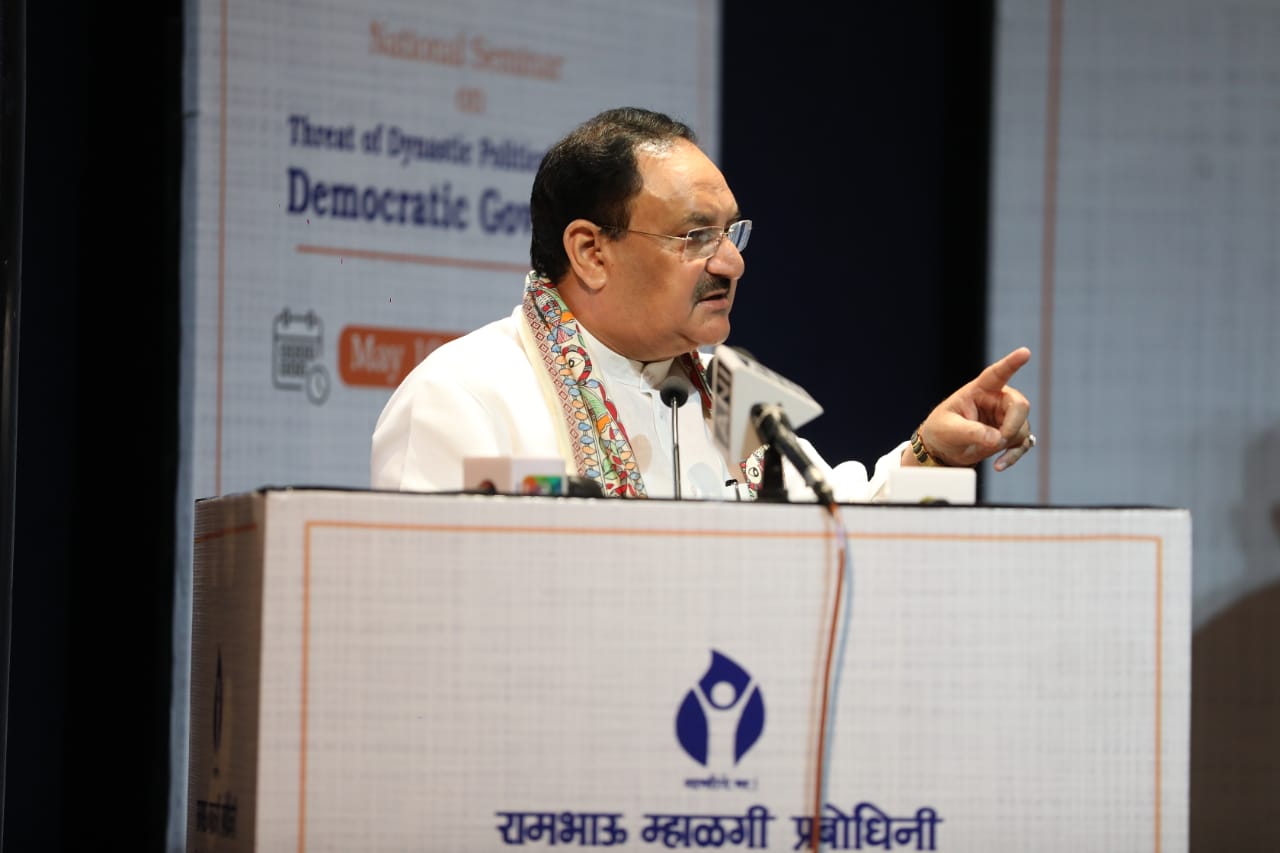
(702,243)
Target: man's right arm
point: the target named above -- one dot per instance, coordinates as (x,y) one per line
(430,424)
(474,396)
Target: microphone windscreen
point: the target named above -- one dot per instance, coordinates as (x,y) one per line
(674,389)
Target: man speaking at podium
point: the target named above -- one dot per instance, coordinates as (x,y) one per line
(636,254)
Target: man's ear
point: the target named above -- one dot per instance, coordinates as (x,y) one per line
(584,244)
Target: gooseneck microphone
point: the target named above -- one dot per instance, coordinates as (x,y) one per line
(773,427)
(674,393)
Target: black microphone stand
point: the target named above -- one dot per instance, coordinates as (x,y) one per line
(771,487)
(775,430)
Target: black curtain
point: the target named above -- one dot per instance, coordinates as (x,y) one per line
(857,142)
(13,31)
(97,429)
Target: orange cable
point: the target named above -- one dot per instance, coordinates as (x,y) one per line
(814,831)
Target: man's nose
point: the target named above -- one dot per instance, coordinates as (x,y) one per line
(727,260)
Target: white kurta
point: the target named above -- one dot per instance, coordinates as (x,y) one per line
(478,395)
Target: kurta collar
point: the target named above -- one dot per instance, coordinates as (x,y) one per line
(621,369)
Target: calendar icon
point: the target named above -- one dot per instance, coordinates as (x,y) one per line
(297,343)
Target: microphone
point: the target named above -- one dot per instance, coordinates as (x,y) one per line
(772,425)
(751,405)
(674,392)
(738,383)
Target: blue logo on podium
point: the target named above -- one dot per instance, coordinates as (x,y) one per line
(724,696)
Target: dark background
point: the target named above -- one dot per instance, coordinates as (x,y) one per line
(858,145)
(856,140)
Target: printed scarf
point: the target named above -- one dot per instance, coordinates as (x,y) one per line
(598,439)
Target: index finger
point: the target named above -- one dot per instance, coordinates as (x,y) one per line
(995,376)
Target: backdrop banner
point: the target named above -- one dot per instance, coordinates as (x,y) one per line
(358,193)
(355,192)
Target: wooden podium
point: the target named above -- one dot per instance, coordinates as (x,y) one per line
(384,672)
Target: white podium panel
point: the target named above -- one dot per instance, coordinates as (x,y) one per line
(385,672)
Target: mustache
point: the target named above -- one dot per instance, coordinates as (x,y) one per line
(710,284)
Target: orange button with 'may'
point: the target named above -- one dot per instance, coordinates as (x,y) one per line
(373,357)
